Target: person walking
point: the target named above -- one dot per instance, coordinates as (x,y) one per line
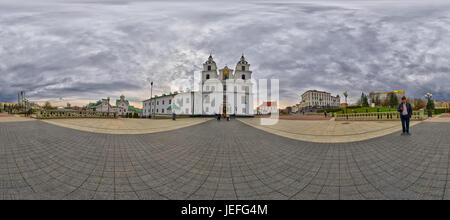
(405,111)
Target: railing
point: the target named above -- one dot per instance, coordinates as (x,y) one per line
(74,114)
(377,116)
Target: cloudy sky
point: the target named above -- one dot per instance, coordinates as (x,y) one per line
(80,51)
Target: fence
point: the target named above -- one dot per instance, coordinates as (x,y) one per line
(74,114)
(375,116)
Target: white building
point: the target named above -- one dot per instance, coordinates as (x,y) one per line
(268,108)
(222,91)
(122,105)
(101,106)
(319,99)
(160,105)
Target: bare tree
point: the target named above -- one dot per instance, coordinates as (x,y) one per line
(47,106)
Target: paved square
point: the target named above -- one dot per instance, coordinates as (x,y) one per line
(219,160)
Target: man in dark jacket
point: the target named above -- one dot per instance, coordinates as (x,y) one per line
(405,114)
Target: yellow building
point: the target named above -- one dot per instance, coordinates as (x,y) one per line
(442,105)
(2,104)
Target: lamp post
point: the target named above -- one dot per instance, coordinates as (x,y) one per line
(346,95)
(151,101)
(429,104)
(108,106)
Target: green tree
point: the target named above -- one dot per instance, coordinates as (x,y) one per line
(430,104)
(364,100)
(393,100)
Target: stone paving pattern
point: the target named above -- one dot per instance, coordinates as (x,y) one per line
(125,125)
(219,160)
(329,131)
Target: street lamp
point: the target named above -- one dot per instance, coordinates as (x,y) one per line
(346,95)
(151,101)
(429,104)
(108,106)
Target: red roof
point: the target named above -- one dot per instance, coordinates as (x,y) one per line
(269,103)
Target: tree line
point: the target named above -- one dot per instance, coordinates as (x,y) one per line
(392,101)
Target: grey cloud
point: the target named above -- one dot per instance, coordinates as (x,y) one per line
(95,49)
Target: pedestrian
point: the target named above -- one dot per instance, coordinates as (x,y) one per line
(405,111)
(325,113)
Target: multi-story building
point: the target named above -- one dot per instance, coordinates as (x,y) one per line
(159,105)
(442,105)
(314,99)
(221,91)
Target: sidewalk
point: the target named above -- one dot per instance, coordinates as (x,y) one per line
(329,131)
(125,125)
(5,117)
(440,118)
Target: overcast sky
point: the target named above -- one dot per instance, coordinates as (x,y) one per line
(81,51)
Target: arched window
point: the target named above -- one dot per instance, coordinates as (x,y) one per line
(243,76)
(243,68)
(207,76)
(209,67)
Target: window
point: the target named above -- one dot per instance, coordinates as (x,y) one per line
(243,100)
(243,76)
(207,99)
(157,110)
(209,68)
(163,102)
(243,68)
(207,88)
(187,100)
(170,101)
(207,76)
(224,87)
(157,102)
(212,88)
(162,110)
(244,110)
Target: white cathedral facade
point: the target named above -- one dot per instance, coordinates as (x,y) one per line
(221,91)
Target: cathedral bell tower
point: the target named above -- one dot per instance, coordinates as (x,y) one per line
(242,70)
(209,69)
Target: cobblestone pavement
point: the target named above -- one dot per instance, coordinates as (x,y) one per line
(125,125)
(329,131)
(219,160)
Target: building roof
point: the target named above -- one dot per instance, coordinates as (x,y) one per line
(134,109)
(163,95)
(118,100)
(95,104)
(269,103)
(315,91)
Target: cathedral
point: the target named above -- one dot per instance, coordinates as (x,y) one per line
(221,91)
